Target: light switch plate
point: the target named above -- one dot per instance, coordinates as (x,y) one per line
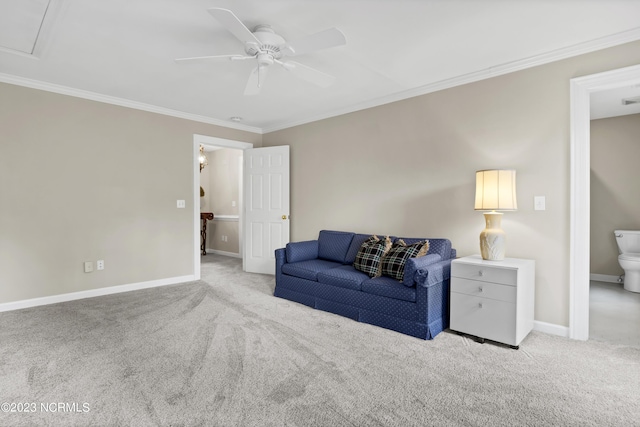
(539,203)
(88,267)
(181,204)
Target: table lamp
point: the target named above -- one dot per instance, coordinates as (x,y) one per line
(495,190)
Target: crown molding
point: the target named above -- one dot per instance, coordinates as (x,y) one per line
(94,96)
(509,67)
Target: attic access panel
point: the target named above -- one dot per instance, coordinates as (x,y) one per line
(20,24)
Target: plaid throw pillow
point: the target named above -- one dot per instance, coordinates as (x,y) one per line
(393,262)
(370,254)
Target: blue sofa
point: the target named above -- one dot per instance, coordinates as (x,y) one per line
(320,273)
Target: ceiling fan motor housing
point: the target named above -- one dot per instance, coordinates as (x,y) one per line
(270,45)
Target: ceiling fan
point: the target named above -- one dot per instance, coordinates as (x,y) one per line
(265,46)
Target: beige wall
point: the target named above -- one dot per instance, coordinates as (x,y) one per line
(81,181)
(223,184)
(408,168)
(615,174)
(217,229)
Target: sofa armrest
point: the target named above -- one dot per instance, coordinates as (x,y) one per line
(454,253)
(302,251)
(414,265)
(281,259)
(434,273)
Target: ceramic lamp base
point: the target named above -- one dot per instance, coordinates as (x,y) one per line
(492,238)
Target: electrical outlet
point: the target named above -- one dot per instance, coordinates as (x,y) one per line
(88,267)
(233,203)
(539,203)
(100,264)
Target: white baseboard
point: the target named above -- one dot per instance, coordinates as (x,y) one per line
(54,299)
(550,328)
(604,278)
(217,252)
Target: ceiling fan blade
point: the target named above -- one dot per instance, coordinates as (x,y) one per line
(256,81)
(215,58)
(231,22)
(309,74)
(322,40)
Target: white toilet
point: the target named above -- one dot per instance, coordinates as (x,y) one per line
(629,258)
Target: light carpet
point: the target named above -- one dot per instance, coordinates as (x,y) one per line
(224,351)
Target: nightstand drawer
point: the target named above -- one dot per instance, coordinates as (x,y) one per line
(484,318)
(480,289)
(505,276)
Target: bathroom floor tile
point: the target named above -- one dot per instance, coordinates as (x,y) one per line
(614,314)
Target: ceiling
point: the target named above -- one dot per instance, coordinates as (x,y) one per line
(123,51)
(609,103)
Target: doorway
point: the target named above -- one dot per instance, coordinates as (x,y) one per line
(221,193)
(212,142)
(579,252)
(614,313)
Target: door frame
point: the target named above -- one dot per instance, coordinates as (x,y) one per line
(212,141)
(579,251)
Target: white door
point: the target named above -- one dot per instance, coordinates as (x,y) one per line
(266,195)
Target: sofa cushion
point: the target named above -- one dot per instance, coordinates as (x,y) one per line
(394,261)
(344,277)
(308,269)
(388,287)
(333,245)
(370,254)
(356,242)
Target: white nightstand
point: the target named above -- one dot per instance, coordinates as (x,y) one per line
(493,299)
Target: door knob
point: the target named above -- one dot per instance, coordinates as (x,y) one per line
(284,217)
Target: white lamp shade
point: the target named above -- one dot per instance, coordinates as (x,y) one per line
(496,190)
